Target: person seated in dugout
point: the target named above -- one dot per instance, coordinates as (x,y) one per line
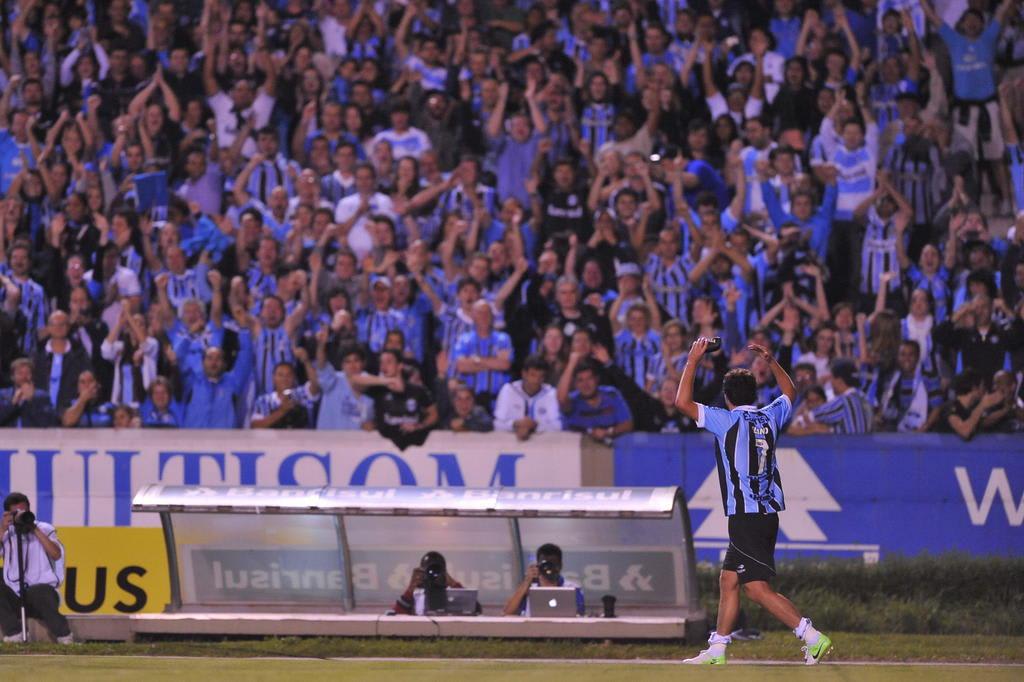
(546,572)
(431,573)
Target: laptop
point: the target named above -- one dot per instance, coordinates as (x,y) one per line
(552,602)
(458,602)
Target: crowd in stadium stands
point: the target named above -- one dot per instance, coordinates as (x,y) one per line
(407,215)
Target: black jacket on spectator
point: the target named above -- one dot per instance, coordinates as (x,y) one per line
(984,355)
(76,361)
(36,413)
(11,329)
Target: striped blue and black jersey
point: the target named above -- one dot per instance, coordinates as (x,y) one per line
(272,347)
(638,357)
(878,254)
(373,325)
(270,174)
(849,412)
(490,346)
(856,179)
(596,121)
(748,470)
(454,323)
(670,284)
(33,306)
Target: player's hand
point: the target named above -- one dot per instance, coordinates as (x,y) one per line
(698,348)
(761,352)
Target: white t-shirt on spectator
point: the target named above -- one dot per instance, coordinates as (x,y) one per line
(333,33)
(227,121)
(359,238)
(719,106)
(413,142)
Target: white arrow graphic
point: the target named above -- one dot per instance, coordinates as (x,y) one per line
(804,493)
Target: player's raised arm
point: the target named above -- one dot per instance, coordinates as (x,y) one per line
(782,378)
(684,394)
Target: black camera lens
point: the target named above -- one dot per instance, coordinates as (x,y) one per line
(548,568)
(714,344)
(24,521)
(436,574)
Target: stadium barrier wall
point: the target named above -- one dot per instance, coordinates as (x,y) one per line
(83,478)
(862,496)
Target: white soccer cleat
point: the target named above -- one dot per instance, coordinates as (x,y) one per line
(814,653)
(66,639)
(705,658)
(12,639)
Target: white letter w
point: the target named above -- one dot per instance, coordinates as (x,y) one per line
(998,484)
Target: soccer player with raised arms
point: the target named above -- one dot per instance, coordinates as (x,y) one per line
(745,439)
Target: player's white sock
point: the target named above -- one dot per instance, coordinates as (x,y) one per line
(717,644)
(806,631)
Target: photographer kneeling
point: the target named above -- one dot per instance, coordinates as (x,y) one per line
(42,561)
(428,579)
(547,572)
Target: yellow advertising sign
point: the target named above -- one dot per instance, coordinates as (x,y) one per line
(114,570)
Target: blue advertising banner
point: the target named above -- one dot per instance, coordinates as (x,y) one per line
(864,496)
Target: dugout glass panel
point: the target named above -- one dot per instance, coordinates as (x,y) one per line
(384,550)
(642,562)
(259,560)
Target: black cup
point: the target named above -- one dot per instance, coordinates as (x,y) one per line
(609,605)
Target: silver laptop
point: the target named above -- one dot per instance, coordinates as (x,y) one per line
(460,602)
(552,602)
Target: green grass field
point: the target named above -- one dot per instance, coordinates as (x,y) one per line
(135,668)
(776,646)
(952,609)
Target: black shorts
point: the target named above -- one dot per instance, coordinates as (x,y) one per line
(751,550)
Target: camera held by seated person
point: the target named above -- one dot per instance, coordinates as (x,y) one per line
(544,591)
(433,591)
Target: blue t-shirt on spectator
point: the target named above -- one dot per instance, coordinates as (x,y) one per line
(610,410)
(972,62)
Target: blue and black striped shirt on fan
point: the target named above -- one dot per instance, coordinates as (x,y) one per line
(745,438)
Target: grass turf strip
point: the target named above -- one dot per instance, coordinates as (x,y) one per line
(776,646)
(946,594)
(111,668)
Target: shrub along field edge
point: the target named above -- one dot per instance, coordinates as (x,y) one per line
(944,594)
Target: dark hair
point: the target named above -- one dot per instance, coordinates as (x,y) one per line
(983,277)
(353,349)
(536,361)
(16,498)
(707,199)
(965,382)
(740,387)
(806,366)
(257,216)
(816,390)
(467,281)
(394,353)
(550,549)
(363,165)
(585,365)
